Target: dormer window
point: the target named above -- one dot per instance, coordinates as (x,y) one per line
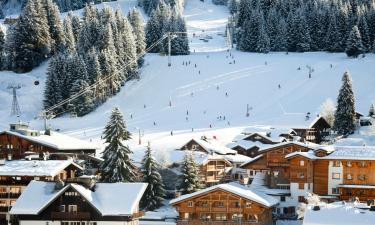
(190,204)
(302,163)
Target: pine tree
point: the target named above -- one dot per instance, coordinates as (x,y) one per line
(179,44)
(83,103)
(93,66)
(2,46)
(263,42)
(155,192)
(371,112)
(298,32)
(244,12)
(233,6)
(365,35)
(55,26)
(136,20)
(281,43)
(70,41)
(250,33)
(190,178)
(117,165)
(32,42)
(76,26)
(354,46)
(345,114)
(53,87)
(90,31)
(333,34)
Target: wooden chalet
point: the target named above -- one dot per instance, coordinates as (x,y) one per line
(215,170)
(272,161)
(314,132)
(79,204)
(207,146)
(21,141)
(15,175)
(225,204)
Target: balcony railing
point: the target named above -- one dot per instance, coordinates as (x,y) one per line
(202,222)
(5,208)
(9,195)
(70,215)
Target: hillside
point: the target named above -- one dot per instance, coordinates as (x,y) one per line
(222,84)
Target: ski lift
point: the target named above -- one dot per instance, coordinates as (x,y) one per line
(36,82)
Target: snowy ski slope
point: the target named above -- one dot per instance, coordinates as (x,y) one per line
(222,84)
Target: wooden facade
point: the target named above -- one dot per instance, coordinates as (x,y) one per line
(219,207)
(11,187)
(193,145)
(16,147)
(214,171)
(316,132)
(301,170)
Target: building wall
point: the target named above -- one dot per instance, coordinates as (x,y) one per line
(300,190)
(50,222)
(321,177)
(332,182)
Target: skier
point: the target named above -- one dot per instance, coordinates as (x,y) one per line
(195,65)
(279,86)
(154,123)
(226,94)
(234,61)
(192,129)
(223,117)
(131,116)
(210,126)
(309,75)
(171,132)
(144,106)
(187,112)
(199,72)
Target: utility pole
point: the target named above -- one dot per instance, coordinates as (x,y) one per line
(15,111)
(169,49)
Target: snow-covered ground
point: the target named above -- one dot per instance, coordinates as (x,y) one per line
(221,84)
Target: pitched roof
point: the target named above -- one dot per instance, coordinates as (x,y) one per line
(49,168)
(110,199)
(236,189)
(352,152)
(305,145)
(251,160)
(214,147)
(56,141)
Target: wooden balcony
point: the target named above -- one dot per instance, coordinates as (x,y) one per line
(278,164)
(219,209)
(138,214)
(70,215)
(201,222)
(5,208)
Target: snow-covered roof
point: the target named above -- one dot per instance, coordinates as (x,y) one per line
(212,146)
(237,158)
(352,152)
(209,158)
(339,213)
(110,199)
(302,144)
(237,189)
(49,168)
(57,141)
(247,144)
(310,155)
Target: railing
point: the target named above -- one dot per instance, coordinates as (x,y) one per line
(278,164)
(70,215)
(5,208)
(9,195)
(201,222)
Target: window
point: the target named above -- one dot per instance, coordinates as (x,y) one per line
(302,163)
(190,204)
(335,191)
(349,176)
(62,208)
(301,186)
(253,218)
(251,173)
(361,177)
(220,216)
(72,208)
(204,216)
(237,217)
(204,204)
(349,164)
(362,164)
(237,205)
(336,163)
(301,175)
(188,216)
(301,198)
(248,205)
(282,198)
(219,204)
(336,176)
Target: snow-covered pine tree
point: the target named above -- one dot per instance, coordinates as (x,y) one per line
(127,44)
(244,12)
(272,27)
(70,42)
(333,34)
(364,31)
(76,25)
(371,112)
(281,43)
(190,175)
(250,33)
(32,42)
(136,20)
(327,111)
(108,67)
(92,66)
(90,31)
(233,6)
(53,87)
(156,27)
(84,103)
(55,26)
(117,165)
(155,192)
(179,44)
(2,45)
(298,32)
(345,113)
(354,46)
(263,42)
